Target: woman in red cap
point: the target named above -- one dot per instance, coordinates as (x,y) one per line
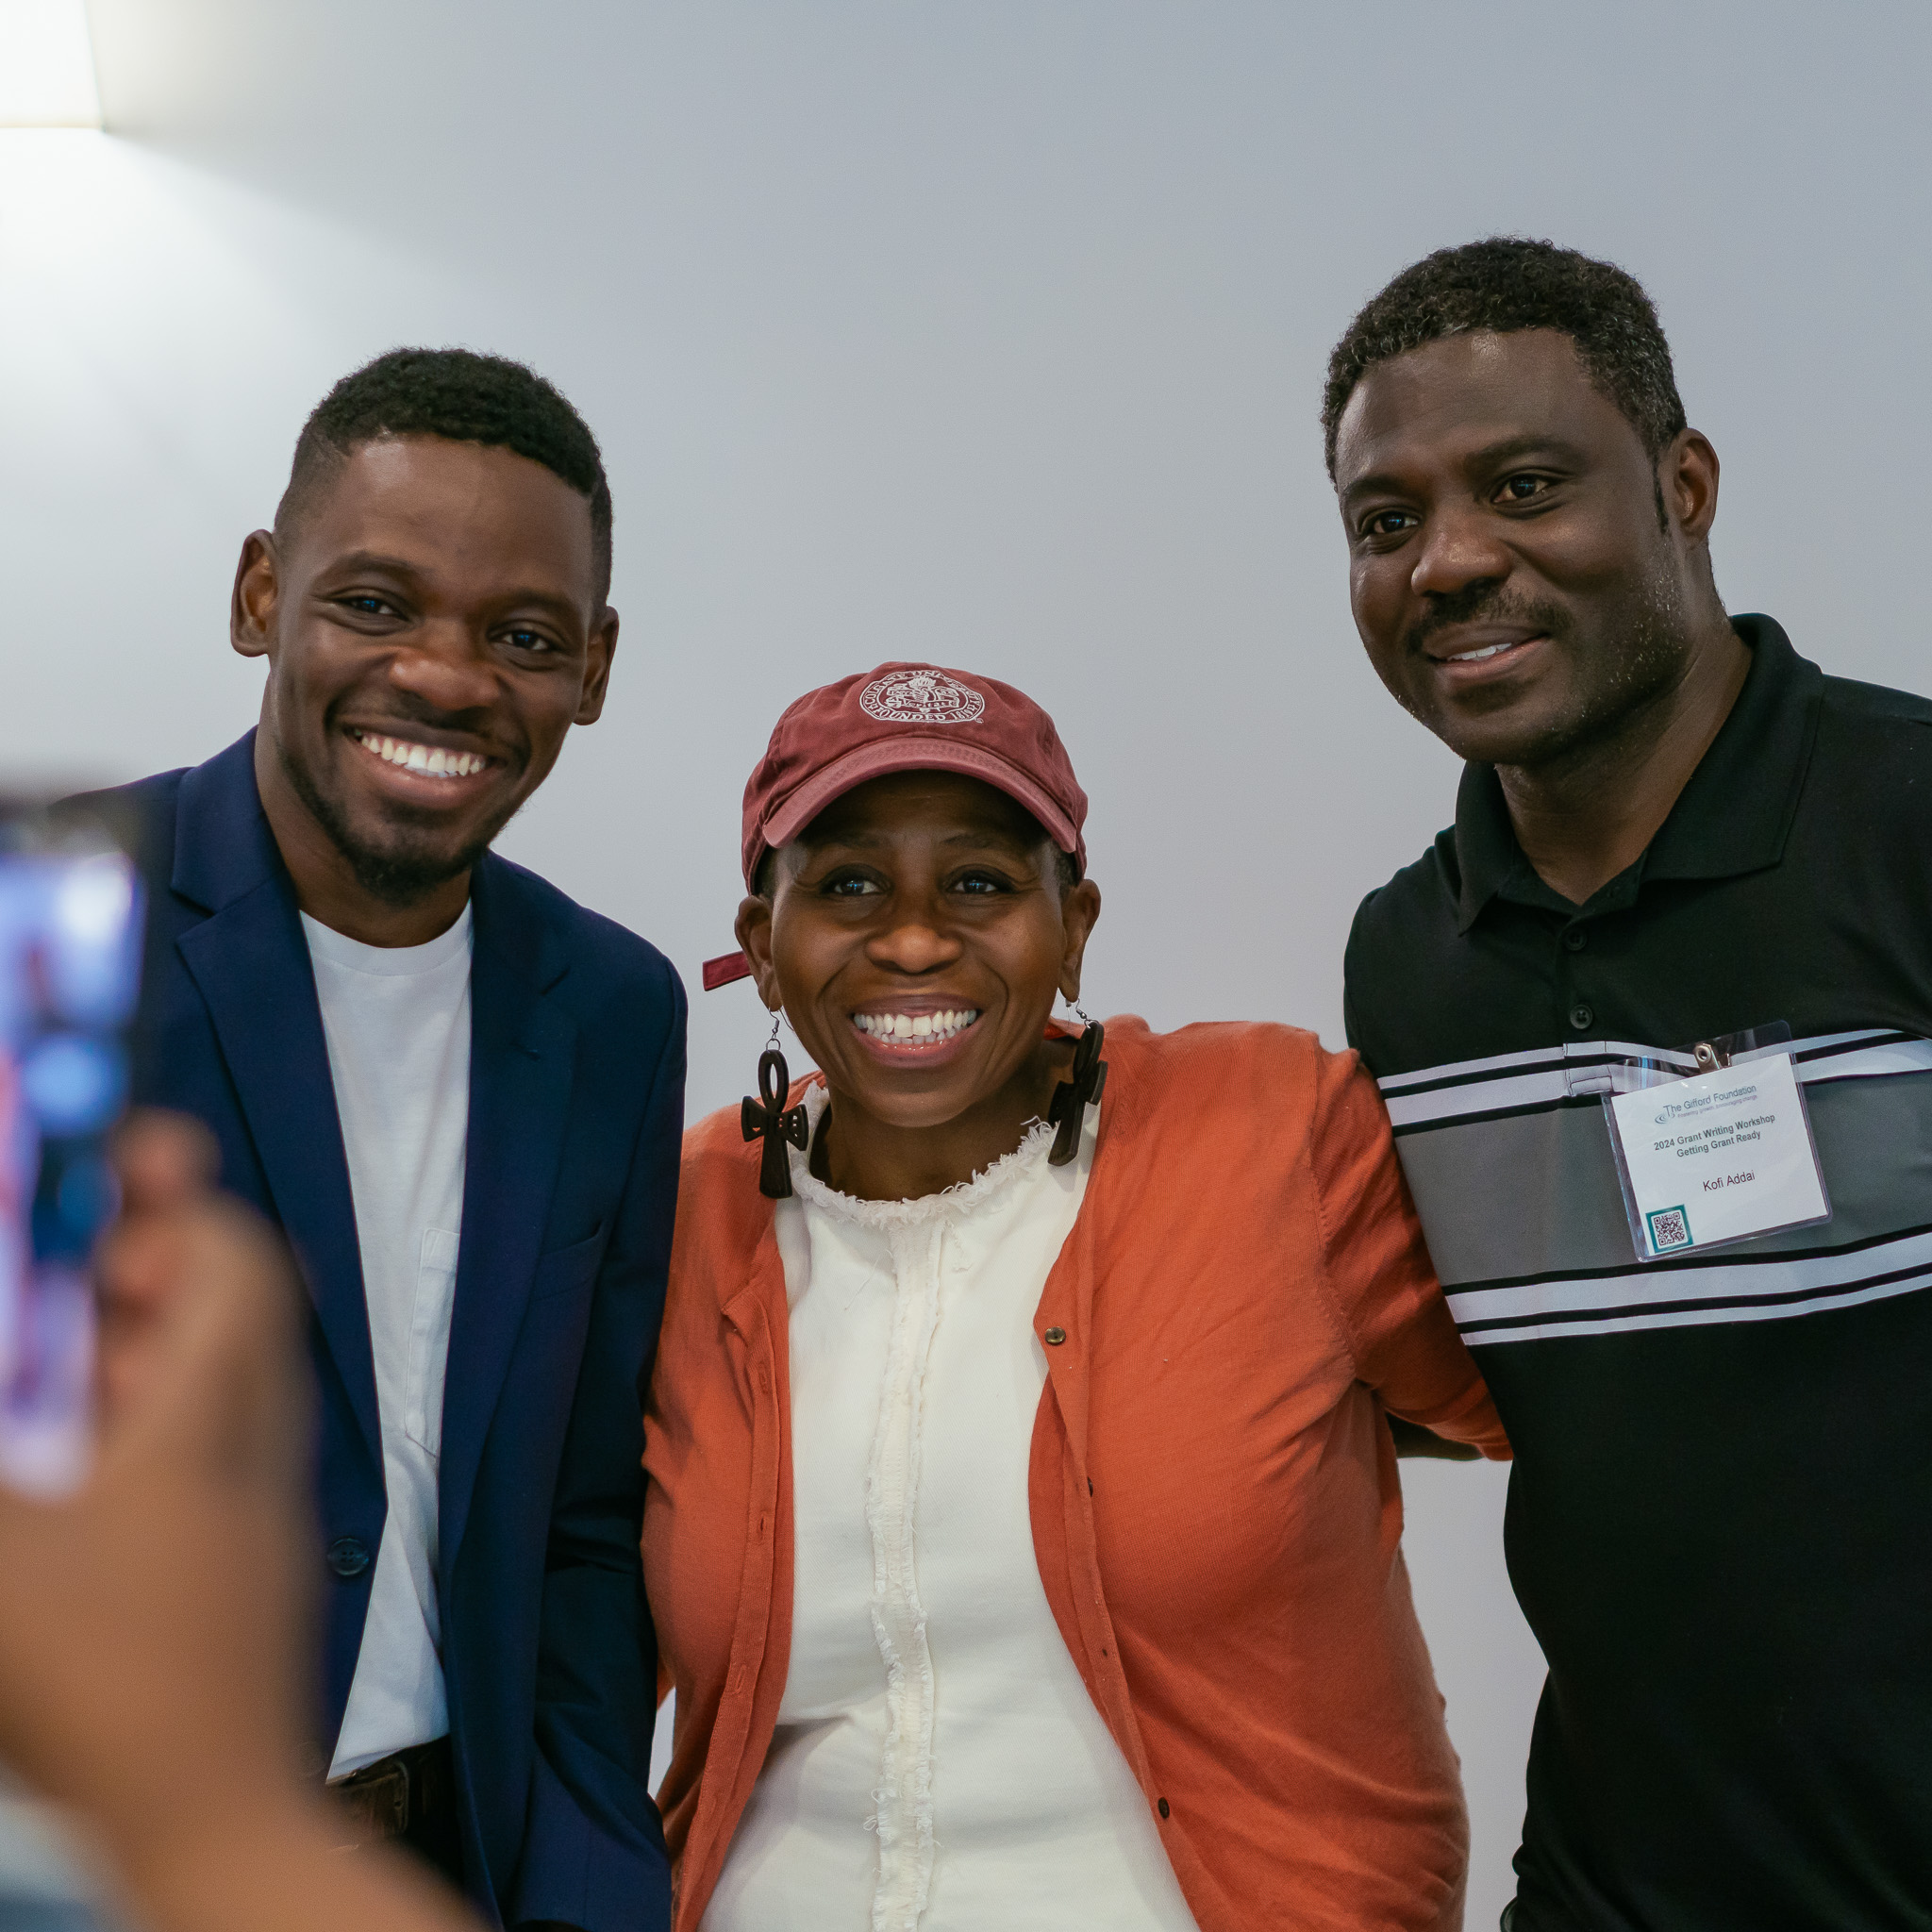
(1023,1531)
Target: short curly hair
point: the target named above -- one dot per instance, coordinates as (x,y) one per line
(465,397)
(1506,283)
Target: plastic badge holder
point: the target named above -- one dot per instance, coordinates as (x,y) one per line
(1724,1159)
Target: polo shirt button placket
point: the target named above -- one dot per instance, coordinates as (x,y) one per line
(1573,939)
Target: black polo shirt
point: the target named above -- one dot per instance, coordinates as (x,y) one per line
(1720,1521)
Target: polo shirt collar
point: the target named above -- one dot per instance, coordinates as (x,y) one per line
(1733,815)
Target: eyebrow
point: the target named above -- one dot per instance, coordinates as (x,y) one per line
(1490,457)
(370,560)
(375,563)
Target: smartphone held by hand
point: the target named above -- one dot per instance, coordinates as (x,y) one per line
(70,965)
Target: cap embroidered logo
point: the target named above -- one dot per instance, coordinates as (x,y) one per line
(920,697)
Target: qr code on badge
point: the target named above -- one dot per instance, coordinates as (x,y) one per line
(1670,1227)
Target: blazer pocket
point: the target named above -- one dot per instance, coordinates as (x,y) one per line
(565,1269)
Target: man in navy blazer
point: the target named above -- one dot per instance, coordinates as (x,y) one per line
(432,602)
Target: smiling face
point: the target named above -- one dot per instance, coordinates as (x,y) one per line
(1524,577)
(434,627)
(917,935)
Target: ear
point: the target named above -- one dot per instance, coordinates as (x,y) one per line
(1687,473)
(1080,912)
(599,652)
(257,598)
(753,928)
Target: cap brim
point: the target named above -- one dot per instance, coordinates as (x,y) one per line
(914,753)
(725,969)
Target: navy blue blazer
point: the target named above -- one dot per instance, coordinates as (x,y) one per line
(576,1107)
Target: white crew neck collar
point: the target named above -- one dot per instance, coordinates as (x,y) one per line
(388,963)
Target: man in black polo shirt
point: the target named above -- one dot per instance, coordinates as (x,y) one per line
(1672,829)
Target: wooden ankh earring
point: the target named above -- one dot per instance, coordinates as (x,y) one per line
(1067,1109)
(769,1118)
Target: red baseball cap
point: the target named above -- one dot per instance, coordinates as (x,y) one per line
(906,718)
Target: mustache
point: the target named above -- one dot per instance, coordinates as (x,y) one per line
(400,711)
(1480,602)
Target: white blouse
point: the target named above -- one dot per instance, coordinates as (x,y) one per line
(937,1764)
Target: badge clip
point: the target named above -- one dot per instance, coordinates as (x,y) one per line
(1713,1144)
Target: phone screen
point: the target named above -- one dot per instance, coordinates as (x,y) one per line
(70,968)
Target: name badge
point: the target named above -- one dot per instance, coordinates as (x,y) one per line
(1720,1156)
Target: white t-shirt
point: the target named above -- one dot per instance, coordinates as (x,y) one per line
(938,1763)
(397,1022)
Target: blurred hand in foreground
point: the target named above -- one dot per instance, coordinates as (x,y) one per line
(153,1628)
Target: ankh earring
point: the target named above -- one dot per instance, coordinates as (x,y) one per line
(1071,1098)
(770,1119)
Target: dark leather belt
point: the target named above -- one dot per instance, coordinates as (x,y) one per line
(409,1794)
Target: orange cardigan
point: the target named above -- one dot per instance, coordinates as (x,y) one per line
(1214,1500)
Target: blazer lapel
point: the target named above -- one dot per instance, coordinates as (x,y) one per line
(522,1052)
(250,962)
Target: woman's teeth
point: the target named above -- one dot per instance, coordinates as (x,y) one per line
(924,1029)
(422,758)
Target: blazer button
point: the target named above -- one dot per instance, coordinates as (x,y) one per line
(1055,1336)
(348,1556)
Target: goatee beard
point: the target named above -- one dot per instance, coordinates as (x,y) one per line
(397,876)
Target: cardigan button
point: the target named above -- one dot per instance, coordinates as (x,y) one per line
(1161,1808)
(1055,1336)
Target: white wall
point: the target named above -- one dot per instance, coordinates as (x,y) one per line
(992,334)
